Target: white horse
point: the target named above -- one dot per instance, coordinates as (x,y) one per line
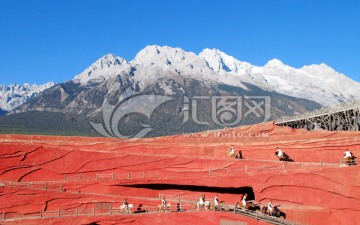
(127,209)
(205,204)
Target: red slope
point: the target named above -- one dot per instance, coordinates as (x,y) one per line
(308,193)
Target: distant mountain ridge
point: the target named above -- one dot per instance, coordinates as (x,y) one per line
(14,95)
(319,83)
(182,76)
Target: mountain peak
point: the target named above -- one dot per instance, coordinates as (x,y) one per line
(274,63)
(101,67)
(161,56)
(223,63)
(13,95)
(107,61)
(213,51)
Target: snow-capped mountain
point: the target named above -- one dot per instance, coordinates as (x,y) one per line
(319,83)
(182,76)
(103,68)
(14,95)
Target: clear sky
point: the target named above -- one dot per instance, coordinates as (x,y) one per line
(54,40)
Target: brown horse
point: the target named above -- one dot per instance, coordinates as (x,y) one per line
(218,207)
(350,160)
(277,213)
(160,207)
(249,206)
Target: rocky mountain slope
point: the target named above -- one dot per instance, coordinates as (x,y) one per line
(14,95)
(206,91)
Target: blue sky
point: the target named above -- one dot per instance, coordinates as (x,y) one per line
(54,40)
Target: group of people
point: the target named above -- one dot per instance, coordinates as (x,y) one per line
(270,207)
(348,156)
(282,156)
(207,204)
(202,203)
(163,206)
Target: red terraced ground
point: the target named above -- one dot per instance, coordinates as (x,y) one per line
(96,173)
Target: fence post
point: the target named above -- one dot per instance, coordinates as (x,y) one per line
(245,168)
(28,185)
(302,165)
(113,176)
(59,213)
(143,174)
(96,176)
(4,216)
(110,210)
(40,213)
(12,182)
(46,185)
(256,215)
(209,170)
(76,212)
(157,174)
(227,169)
(93,211)
(64,176)
(320,163)
(60,187)
(178,197)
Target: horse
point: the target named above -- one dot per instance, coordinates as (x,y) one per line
(249,206)
(218,207)
(199,205)
(350,161)
(285,157)
(277,213)
(161,208)
(123,207)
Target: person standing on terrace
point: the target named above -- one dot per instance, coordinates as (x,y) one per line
(232,151)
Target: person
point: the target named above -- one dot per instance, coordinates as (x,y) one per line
(270,208)
(238,155)
(232,151)
(178,207)
(126,205)
(216,201)
(201,202)
(348,156)
(244,203)
(139,209)
(279,153)
(163,204)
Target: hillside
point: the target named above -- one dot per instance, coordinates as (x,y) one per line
(86,173)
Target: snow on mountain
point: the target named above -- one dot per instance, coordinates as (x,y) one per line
(222,63)
(319,83)
(14,95)
(172,60)
(103,68)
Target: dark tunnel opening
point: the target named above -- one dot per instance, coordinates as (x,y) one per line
(204,189)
